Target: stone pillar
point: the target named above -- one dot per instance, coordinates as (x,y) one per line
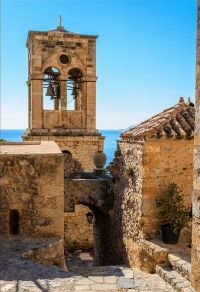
(29,104)
(37,104)
(78,101)
(63,93)
(195,275)
(91,104)
(56,104)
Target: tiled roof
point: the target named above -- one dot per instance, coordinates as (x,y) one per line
(174,122)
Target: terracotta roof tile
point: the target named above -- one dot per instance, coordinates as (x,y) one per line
(177,121)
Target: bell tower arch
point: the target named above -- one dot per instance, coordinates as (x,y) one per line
(62,91)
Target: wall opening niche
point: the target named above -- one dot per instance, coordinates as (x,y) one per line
(14,221)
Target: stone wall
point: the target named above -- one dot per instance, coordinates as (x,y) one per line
(33,184)
(86,191)
(82,148)
(141,170)
(47,253)
(195,277)
(165,161)
(127,170)
(78,232)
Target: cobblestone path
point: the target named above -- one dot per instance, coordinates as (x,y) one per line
(18,274)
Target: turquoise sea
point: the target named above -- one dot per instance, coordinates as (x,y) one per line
(109,145)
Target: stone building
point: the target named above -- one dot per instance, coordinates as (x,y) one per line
(62,106)
(31,189)
(196,192)
(62,92)
(149,157)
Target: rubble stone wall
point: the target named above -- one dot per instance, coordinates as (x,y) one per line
(78,232)
(141,170)
(33,185)
(48,254)
(127,170)
(195,276)
(165,161)
(79,192)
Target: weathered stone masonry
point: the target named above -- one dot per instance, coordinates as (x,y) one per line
(78,232)
(147,160)
(32,184)
(196,192)
(164,163)
(73,57)
(97,194)
(127,211)
(73,129)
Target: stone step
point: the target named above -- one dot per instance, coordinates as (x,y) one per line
(182,266)
(155,251)
(172,277)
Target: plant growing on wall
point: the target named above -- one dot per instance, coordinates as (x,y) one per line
(172,209)
(129,171)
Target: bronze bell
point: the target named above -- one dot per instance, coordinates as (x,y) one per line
(50,90)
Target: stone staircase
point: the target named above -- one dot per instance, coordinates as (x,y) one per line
(172,264)
(176,273)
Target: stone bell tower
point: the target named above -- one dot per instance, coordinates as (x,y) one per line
(62,92)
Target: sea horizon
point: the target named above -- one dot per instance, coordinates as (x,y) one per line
(110,143)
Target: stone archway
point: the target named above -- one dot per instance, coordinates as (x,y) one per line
(94,192)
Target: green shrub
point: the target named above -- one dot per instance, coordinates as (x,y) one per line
(172,209)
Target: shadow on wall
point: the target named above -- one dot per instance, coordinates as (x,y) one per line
(71,165)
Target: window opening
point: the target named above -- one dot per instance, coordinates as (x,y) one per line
(51,89)
(74,89)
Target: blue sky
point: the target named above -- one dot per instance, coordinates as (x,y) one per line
(145,54)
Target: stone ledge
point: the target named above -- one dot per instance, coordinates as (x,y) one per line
(47,253)
(181,266)
(158,253)
(173,278)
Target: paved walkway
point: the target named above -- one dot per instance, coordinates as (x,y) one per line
(18,274)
